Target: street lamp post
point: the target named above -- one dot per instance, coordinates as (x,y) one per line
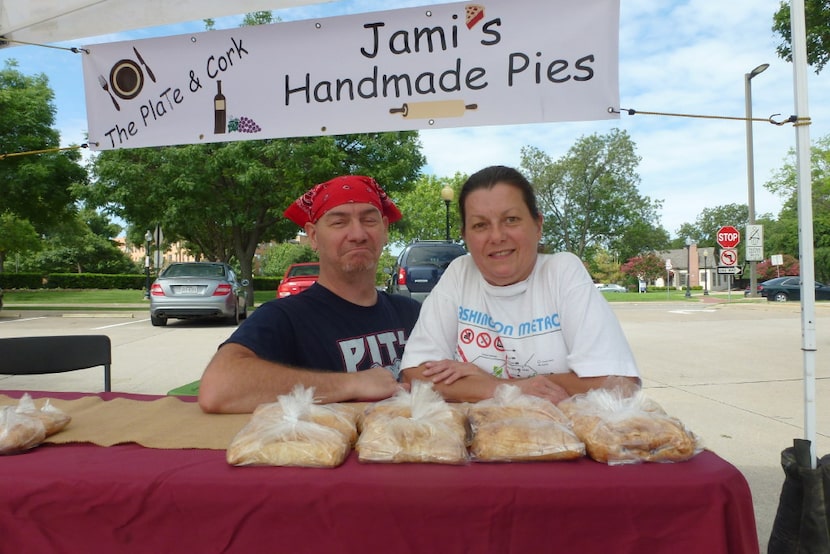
(148,236)
(689,268)
(447,195)
(705,272)
(750,167)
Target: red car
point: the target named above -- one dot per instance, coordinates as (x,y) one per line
(298,277)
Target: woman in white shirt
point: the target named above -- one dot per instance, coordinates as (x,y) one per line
(508,312)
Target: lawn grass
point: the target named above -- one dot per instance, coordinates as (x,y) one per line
(651,296)
(660,295)
(58,297)
(41,298)
(65,296)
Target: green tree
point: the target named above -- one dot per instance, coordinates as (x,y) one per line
(780,236)
(589,197)
(817,23)
(17,236)
(225,199)
(252,18)
(641,236)
(648,267)
(82,244)
(704,230)
(385,265)
(783,237)
(278,257)
(33,187)
(604,267)
(424,213)
(766,270)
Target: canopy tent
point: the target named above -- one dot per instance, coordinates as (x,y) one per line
(48,21)
(805,221)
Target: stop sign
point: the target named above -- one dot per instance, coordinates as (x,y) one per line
(728,236)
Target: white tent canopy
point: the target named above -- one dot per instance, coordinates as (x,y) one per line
(48,21)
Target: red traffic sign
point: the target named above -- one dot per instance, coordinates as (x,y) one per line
(729,257)
(728,236)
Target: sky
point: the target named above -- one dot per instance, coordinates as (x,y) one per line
(676,56)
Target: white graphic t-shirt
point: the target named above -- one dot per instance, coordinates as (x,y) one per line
(553,322)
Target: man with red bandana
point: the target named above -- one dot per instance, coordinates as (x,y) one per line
(341,336)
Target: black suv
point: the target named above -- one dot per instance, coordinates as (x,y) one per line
(420,265)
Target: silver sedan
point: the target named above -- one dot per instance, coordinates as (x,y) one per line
(197,290)
(612,288)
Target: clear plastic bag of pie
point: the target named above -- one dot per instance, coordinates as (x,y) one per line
(54,419)
(413,426)
(517,427)
(294,431)
(624,426)
(19,432)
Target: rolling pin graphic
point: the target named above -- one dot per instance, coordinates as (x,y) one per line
(435,109)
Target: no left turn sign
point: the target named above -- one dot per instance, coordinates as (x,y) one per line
(728,257)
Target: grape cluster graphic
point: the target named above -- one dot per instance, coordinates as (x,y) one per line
(243,125)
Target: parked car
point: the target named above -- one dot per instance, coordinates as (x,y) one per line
(190,290)
(419,266)
(758,288)
(782,289)
(297,278)
(612,288)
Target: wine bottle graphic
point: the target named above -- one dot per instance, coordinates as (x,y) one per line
(219,112)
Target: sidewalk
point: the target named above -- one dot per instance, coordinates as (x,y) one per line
(28,310)
(734,374)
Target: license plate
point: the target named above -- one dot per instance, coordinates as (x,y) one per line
(188,290)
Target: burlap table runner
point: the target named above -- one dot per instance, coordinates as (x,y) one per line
(167,422)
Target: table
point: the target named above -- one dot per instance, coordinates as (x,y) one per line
(127,498)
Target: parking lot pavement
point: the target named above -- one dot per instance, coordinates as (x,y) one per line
(733,373)
(146,359)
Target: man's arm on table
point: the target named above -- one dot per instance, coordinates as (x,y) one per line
(478,385)
(236,381)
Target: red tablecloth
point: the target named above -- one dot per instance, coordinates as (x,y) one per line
(85,498)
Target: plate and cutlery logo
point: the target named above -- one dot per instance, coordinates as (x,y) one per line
(126,79)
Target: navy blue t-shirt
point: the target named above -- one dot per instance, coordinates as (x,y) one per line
(317,329)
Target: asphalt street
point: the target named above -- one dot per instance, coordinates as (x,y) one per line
(732,372)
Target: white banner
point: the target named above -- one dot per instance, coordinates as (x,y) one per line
(447,65)
(46,21)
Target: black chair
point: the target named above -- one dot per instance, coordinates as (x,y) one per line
(55,354)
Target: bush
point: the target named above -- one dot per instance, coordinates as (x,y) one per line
(94,281)
(31,281)
(71,281)
(266,283)
(21,280)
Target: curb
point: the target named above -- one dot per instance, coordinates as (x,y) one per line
(8,315)
(126,315)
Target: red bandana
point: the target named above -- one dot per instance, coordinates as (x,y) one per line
(312,205)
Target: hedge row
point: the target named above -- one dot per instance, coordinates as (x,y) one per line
(95,281)
(266,283)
